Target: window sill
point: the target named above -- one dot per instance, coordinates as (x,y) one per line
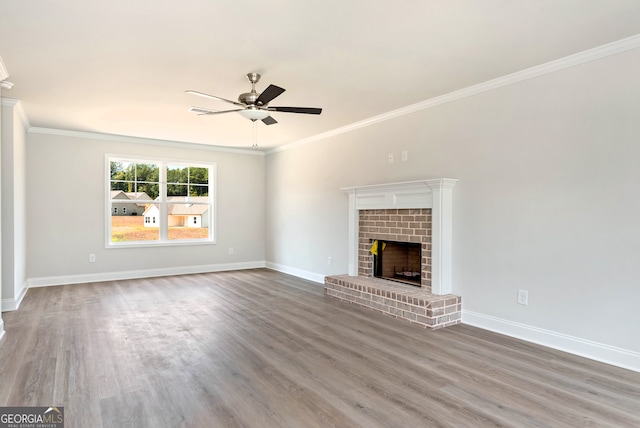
(152,244)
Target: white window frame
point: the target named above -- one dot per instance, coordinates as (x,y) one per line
(162,202)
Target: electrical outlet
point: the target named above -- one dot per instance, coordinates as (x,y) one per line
(329,260)
(92,258)
(230,250)
(523,297)
(405,156)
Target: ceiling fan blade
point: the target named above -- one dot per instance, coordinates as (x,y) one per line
(269,120)
(200,110)
(204,111)
(202,94)
(268,94)
(305,110)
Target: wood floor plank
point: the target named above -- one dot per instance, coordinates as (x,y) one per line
(259,348)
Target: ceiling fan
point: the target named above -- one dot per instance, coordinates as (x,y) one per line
(252,105)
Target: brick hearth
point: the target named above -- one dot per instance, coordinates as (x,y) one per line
(413,304)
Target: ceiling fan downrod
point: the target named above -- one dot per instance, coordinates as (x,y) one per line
(249,98)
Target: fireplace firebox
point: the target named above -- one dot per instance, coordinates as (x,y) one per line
(398,261)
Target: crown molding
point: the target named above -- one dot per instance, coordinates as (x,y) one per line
(609,49)
(140,140)
(17,108)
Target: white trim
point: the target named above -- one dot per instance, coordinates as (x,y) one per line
(585,348)
(18,109)
(441,235)
(613,48)
(147,273)
(1,330)
(140,140)
(436,194)
(304,274)
(13,304)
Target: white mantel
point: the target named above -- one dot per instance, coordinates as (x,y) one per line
(436,194)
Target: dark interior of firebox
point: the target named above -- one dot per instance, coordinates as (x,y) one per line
(398,261)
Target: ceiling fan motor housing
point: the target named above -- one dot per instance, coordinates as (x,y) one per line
(249,98)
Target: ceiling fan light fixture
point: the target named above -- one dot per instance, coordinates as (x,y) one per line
(254,114)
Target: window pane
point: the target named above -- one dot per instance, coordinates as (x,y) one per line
(188,221)
(198,190)
(147,172)
(177,174)
(198,175)
(119,170)
(127,228)
(120,186)
(118,190)
(177,190)
(148,191)
(147,179)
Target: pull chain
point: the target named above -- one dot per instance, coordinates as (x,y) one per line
(255,135)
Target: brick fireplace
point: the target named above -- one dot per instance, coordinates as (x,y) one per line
(412,212)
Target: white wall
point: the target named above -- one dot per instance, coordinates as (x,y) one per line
(547,201)
(66,211)
(3,75)
(14,206)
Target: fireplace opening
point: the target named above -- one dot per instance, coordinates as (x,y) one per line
(398,261)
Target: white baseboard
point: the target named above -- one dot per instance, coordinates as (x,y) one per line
(585,348)
(12,304)
(304,274)
(146,273)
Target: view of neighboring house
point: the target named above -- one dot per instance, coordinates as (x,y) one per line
(127,208)
(182,211)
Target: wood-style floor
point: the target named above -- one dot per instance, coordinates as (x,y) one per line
(262,349)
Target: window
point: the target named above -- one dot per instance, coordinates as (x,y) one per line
(160,197)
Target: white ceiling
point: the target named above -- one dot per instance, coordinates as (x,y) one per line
(122,66)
